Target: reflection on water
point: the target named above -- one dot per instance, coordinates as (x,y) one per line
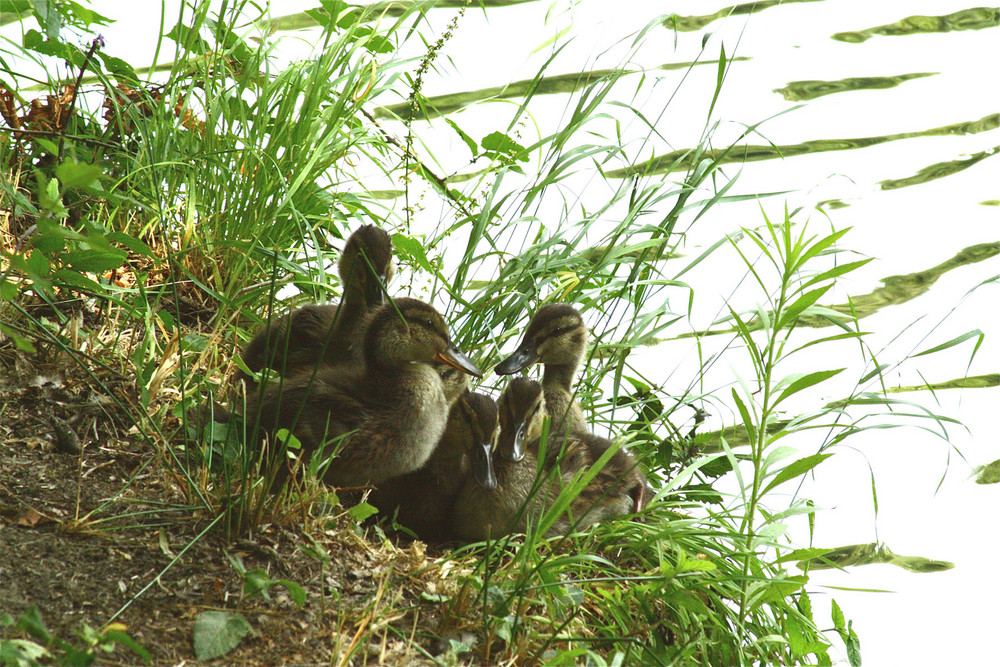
(868,554)
(691,23)
(976,18)
(969,382)
(378,10)
(682,160)
(939,170)
(988,474)
(800,91)
(440,105)
(900,289)
(736,436)
(894,291)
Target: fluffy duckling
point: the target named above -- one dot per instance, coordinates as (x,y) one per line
(385,417)
(422,499)
(527,487)
(557,338)
(316,333)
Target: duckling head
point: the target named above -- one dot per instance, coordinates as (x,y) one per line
(522,411)
(556,336)
(366,266)
(454,382)
(619,488)
(473,420)
(408,331)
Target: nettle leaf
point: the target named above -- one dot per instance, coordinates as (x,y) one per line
(48,17)
(117,67)
(296,592)
(413,249)
(500,143)
(216,633)
(73,174)
(188,38)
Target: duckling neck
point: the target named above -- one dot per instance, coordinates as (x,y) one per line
(559,376)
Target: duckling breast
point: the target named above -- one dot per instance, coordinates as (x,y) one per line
(422,416)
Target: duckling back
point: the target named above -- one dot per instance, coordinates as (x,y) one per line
(328,333)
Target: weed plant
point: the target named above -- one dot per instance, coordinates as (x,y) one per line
(176,209)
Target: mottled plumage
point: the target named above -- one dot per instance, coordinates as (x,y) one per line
(423,499)
(383,417)
(528,486)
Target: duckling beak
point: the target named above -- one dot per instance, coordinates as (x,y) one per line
(482,466)
(374,294)
(455,358)
(525,355)
(515,451)
(640,497)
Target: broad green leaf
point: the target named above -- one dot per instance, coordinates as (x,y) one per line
(362,511)
(92,261)
(412,248)
(73,174)
(498,142)
(296,592)
(79,280)
(216,633)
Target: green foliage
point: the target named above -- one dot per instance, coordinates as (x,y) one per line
(46,648)
(258,582)
(216,633)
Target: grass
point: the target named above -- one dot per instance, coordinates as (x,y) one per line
(145,241)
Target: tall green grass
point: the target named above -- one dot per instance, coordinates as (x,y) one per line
(232,177)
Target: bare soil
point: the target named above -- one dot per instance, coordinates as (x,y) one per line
(90,531)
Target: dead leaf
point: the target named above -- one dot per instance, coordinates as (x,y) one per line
(32,518)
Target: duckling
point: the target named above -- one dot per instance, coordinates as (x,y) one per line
(384,416)
(422,499)
(557,338)
(526,488)
(329,332)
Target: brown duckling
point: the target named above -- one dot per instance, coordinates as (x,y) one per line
(557,338)
(328,332)
(384,417)
(422,500)
(526,488)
